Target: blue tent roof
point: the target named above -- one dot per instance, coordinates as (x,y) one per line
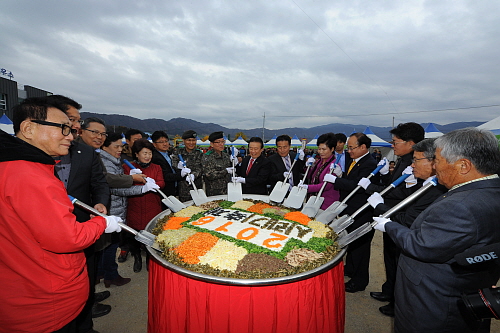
(376,141)
(5,120)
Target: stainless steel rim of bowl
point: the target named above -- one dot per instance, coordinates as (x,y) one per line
(232,281)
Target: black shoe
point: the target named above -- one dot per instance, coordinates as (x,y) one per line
(137,263)
(99,297)
(380,296)
(99,310)
(351,287)
(387,310)
(123,256)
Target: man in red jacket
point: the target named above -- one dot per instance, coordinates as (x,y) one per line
(42,265)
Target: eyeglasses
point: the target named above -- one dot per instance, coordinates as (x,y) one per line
(352,148)
(396,143)
(219,141)
(65,129)
(95,132)
(74,120)
(414,160)
(161,142)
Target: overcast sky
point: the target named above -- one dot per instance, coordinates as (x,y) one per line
(229,62)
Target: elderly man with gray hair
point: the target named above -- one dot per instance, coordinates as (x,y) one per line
(429,282)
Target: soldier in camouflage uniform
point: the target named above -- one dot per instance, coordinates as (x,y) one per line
(217,166)
(192,157)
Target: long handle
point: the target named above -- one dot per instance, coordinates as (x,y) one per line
(384,191)
(94,211)
(129,164)
(234,164)
(373,173)
(184,164)
(324,184)
(291,168)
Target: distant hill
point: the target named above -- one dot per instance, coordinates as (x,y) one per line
(179,125)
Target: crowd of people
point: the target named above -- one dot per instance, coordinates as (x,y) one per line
(52,261)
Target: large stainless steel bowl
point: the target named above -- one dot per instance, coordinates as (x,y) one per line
(231,281)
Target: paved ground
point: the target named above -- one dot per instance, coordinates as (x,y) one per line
(129,302)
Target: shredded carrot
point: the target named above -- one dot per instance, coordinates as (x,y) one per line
(195,246)
(257,208)
(174,223)
(297,217)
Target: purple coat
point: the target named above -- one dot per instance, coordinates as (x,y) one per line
(329,193)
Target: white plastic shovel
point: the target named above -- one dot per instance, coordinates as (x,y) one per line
(234,192)
(198,195)
(337,207)
(297,195)
(281,188)
(345,240)
(314,203)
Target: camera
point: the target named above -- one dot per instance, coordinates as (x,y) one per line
(481,305)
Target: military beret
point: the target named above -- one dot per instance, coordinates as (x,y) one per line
(215,136)
(189,134)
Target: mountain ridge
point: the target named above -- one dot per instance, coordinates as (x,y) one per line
(176,126)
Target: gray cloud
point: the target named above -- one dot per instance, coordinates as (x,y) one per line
(229,62)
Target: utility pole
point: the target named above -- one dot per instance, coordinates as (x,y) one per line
(393,122)
(263,126)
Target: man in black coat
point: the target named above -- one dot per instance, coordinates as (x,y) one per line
(82,173)
(429,282)
(254,170)
(282,162)
(404,137)
(161,156)
(359,164)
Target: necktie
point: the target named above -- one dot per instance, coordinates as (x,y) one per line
(250,163)
(353,163)
(288,168)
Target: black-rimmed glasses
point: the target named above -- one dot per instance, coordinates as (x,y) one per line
(65,129)
(414,160)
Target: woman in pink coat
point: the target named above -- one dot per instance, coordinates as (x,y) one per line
(326,151)
(142,208)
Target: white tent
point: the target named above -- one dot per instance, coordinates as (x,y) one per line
(6,125)
(272,142)
(296,142)
(492,125)
(432,132)
(238,142)
(313,143)
(200,142)
(376,141)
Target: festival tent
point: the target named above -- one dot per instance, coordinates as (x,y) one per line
(384,146)
(271,143)
(6,125)
(432,132)
(492,125)
(201,143)
(296,142)
(238,142)
(313,143)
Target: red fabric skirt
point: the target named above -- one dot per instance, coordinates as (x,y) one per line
(181,304)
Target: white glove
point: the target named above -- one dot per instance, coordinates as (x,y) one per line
(364,183)
(185,171)
(180,165)
(310,161)
(301,154)
(381,221)
(330,178)
(408,171)
(337,170)
(410,181)
(233,158)
(375,199)
(302,185)
(235,151)
(112,224)
(238,180)
(190,178)
(149,186)
(385,169)
(230,170)
(286,174)
(150,180)
(428,180)
(135,172)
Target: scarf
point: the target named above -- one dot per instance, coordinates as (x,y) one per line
(320,170)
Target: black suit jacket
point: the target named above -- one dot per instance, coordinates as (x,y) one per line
(169,174)
(257,178)
(349,182)
(86,180)
(278,168)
